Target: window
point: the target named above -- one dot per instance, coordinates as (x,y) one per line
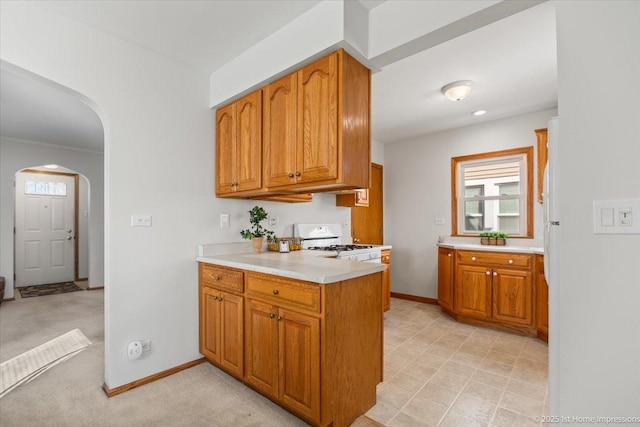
(45,188)
(493,192)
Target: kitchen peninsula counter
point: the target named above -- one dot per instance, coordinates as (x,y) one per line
(301,328)
(310,266)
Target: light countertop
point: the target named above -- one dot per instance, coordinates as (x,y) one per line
(311,266)
(493,248)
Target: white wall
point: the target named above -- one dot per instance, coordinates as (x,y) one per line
(159,154)
(16,155)
(594,330)
(417,186)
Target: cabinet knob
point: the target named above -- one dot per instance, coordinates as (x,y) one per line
(219,298)
(495,274)
(217,278)
(473,258)
(290,175)
(510,261)
(448,255)
(271,315)
(279,319)
(488,273)
(298,174)
(275,292)
(215,298)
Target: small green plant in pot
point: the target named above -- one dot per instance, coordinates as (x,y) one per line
(501,238)
(257,232)
(484,237)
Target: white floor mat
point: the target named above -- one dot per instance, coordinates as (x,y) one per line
(25,367)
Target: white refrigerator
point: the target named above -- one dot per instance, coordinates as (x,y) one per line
(549,199)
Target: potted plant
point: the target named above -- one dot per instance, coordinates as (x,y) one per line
(484,237)
(256,232)
(501,238)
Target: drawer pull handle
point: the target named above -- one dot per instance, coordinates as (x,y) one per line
(488,273)
(275,292)
(217,278)
(473,258)
(448,255)
(495,274)
(510,261)
(271,315)
(279,319)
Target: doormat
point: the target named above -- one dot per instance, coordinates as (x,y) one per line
(27,366)
(50,289)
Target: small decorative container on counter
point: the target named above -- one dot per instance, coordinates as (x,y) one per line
(295,243)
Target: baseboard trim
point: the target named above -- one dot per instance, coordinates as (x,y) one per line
(8,299)
(151,378)
(414,298)
(96,288)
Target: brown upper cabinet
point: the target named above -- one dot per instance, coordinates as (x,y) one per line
(239,145)
(541,136)
(315,132)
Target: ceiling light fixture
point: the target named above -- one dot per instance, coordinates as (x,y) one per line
(479,113)
(457,91)
(51,166)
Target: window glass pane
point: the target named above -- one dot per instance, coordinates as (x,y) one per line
(474,215)
(509,224)
(45,188)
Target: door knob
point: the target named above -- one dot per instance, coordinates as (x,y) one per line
(68,237)
(69,231)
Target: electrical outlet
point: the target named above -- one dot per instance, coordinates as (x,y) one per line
(141,220)
(273,221)
(146,345)
(134,350)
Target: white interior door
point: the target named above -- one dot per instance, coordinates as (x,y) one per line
(45,228)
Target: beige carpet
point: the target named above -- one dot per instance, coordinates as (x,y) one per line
(71,395)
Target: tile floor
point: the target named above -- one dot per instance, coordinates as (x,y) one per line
(439,372)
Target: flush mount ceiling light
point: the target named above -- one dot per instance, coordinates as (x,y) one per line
(479,113)
(457,91)
(51,166)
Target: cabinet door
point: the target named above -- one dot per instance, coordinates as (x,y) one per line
(473,291)
(261,347)
(210,324)
(445,278)
(386,280)
(280,131)
(300,362)
(226,152)
(317,153)
(542,297)
(512,296)
(232,333)
(249,142)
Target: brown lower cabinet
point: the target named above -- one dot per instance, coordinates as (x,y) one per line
(290,342)
(542,300)
(493,289)
(386,280)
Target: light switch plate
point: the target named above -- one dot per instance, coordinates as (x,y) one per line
(616,216)
(224,220)
(141,220)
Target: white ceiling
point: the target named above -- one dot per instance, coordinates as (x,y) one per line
(512,62)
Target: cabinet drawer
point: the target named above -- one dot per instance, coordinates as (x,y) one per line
(493,258)
(221,278)
(284,292)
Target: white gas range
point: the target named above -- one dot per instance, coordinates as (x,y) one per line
(328,238)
